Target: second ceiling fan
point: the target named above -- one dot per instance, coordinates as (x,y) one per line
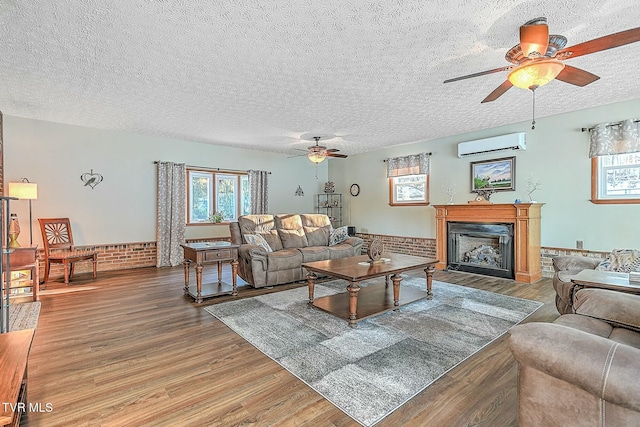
(539,58)
(317,153)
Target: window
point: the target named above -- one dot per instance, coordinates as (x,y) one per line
(210,192)
(615,178)
(409,190)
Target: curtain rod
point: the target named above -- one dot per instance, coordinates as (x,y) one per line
(212,169)
(428,154)
(612,124)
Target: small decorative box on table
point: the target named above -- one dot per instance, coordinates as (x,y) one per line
(202,252)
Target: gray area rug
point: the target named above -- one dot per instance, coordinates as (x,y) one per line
(370,371)
(24,315)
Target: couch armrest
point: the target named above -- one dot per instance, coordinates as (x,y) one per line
(598,365)
(247,251)
(574,262)
(616,308)
(253,253)
(354,241)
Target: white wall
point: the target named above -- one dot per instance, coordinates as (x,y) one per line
(122,208)
(557,154)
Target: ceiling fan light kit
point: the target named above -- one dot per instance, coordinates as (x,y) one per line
(535,74)
(317,155)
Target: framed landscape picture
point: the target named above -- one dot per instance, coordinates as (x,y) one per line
(499,174)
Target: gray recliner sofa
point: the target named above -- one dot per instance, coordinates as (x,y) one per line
(292,240)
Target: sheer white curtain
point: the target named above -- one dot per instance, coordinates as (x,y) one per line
(416,164)
(258,188)
(614,138)
(171,221)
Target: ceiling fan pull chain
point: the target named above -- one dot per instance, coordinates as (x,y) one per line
(533,121)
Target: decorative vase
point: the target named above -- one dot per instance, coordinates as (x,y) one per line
(14,231)
(329,187)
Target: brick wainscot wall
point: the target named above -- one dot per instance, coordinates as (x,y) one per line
(120,256)
(426,247)
(143,254)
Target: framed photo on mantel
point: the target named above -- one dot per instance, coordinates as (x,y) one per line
(499,174)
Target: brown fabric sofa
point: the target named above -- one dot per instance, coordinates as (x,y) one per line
(584,368)
(293,239)
(618,260)
(565,267)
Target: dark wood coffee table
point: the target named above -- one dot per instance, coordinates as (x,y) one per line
(371,300)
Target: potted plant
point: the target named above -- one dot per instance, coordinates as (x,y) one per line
(216,217)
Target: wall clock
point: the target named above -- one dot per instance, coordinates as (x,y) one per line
(354,190)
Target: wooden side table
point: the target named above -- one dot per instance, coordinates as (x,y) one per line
(25,258)
(14,353)
(200,253)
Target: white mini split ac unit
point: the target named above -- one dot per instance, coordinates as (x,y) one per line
(511,141)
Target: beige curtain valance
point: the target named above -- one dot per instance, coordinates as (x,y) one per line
(416,164)
(614,138)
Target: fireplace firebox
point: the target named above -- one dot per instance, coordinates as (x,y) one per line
(483,248)
(525,218)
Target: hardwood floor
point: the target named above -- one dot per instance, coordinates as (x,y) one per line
(135,351)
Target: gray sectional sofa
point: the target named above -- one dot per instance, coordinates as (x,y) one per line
(291,240)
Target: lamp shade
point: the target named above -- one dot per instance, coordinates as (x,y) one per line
(23,190)
(535,74)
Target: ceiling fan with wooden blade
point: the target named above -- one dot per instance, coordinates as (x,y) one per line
(539,58)
(317,153)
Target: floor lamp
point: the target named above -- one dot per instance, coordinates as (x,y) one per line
(28,191)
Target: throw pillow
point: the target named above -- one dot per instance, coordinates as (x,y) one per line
(258,240)
(621,260)
(338,235)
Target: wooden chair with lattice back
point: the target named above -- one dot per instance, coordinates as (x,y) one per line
(59,249)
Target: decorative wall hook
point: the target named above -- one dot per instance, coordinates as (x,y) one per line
(299,191)
(91,179)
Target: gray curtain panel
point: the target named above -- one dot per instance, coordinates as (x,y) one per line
(416,164)
(259,191)
(614,138)
(171,213)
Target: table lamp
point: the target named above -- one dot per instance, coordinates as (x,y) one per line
(25,190)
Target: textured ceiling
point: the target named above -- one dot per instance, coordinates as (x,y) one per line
(270,75)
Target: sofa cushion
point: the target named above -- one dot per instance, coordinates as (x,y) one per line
(314,253)
(252,224)
(338,235)
(291,231)
(285,259)
(341,250)
(597,303)
(258,240)
(263,225)
(625,336)
(317,228)
(621,260)
(574,262)
(585,324)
